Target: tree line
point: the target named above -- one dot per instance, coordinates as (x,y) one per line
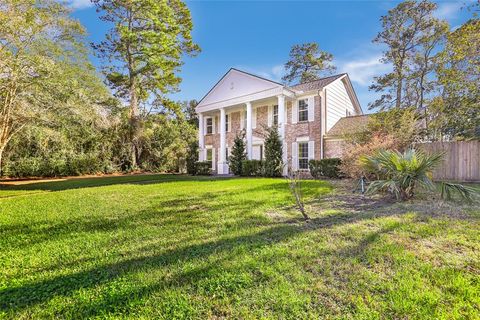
(435,70)
(60,116)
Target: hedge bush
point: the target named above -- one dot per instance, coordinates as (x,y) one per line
(203,168)
(79,164)
(252,168)
(325,168)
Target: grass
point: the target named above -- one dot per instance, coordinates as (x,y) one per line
(161,246)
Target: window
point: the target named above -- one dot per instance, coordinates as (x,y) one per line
(303,110)
(275,115)
(209,125)
(226,122)
(210,156)
(303,155)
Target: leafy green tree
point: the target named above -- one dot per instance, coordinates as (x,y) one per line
(188,109)
(144,48)
(455,113)
(409,32)
(273,163)
(307,63)
(238,154)
(44,68)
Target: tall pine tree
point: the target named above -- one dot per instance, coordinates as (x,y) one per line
(144,51)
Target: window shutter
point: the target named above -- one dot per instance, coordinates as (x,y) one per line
(270,116)
(295,111)
(213,158)
(311,150)
(294,156)
(204,154)
(214,127)
(229,127)
(311,108)
(254,118)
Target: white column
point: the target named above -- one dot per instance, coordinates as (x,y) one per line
(282,120)
(201,136)
(222,165)
(249,130)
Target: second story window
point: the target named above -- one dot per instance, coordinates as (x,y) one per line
(227,118)
(303,110)
(275,116)
(209,125)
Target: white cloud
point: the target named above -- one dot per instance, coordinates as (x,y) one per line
(449,10)
(80,4)
(363,70)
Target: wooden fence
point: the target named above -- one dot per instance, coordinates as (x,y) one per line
(461,161)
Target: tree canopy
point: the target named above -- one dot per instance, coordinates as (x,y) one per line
(307,63)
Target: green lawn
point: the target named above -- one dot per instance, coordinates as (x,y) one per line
(179,247)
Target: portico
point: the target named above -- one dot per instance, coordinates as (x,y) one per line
(221,117)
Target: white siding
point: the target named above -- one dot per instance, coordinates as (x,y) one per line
(338,102)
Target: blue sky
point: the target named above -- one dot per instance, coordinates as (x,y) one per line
(256,36)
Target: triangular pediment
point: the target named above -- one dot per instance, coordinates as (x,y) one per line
(236,83)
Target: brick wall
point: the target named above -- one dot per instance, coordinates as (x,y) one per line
(301,129)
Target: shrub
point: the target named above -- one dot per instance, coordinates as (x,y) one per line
(192,157)
(351,165)
(203,168)
(325,168)
(273,153)
(252,168)
(400,173)
(237,155)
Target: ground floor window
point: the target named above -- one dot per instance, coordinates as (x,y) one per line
(303,155)
(210,156)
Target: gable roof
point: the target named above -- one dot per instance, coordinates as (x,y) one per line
(234,70)
(317,84)
(349,125)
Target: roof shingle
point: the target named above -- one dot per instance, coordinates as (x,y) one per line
(349,125)
(316,84)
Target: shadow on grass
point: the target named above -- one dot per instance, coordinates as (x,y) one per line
(35,293)
(187,210)
(76,183)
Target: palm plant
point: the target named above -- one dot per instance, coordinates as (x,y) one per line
(400,173)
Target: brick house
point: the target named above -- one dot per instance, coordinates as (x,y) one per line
(303,113)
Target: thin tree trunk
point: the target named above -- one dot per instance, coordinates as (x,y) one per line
(2,148)
(133,123)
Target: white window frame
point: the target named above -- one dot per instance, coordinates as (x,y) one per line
(207,125)
(300,111)
(227,122)
(300,157)
(275,122)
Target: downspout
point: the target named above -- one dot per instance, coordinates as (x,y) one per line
(323,120)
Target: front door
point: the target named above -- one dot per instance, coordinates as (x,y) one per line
(257,152)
